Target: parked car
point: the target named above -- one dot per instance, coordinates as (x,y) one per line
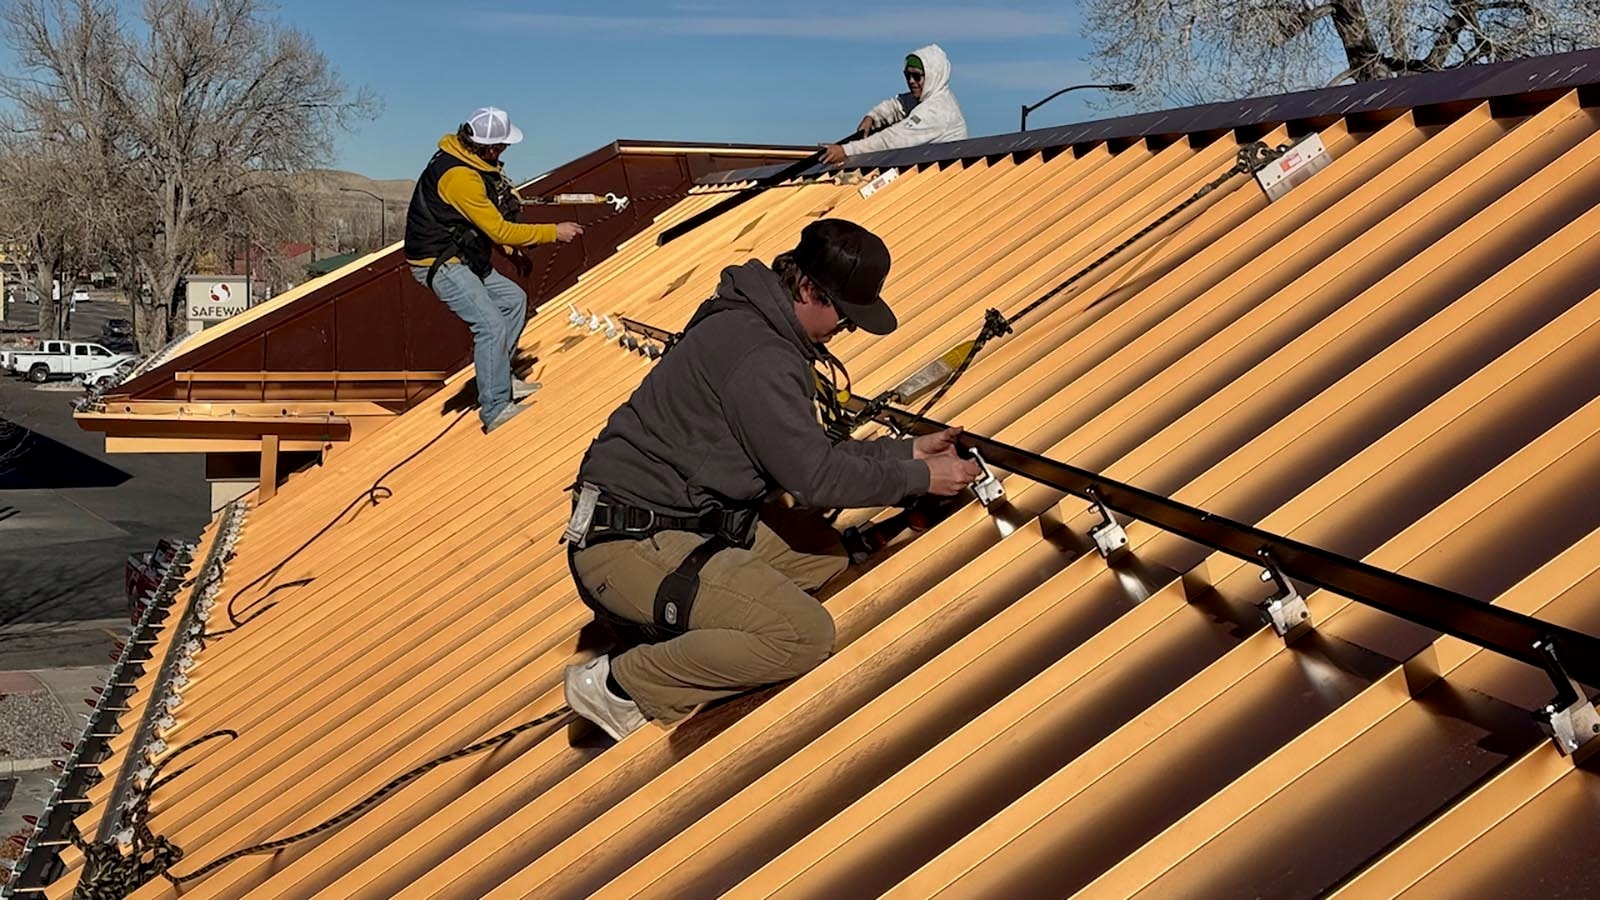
(54,359)
(7,352)
(99,379)
(117,334)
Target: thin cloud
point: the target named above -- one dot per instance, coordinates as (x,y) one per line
(909,24)
(1023,74)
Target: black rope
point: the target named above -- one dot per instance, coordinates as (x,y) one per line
(994,325)
(1250,158)
(563,714)
(378,491)
(110,874)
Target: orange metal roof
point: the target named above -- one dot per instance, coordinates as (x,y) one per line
(1395,362)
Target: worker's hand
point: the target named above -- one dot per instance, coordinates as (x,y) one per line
(866,126)
(949,475)
(833,154)
(566,232)
(940,443)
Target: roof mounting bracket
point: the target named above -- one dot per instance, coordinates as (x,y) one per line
(1109,536)
(1570,719)
(987,487)
(646,340)
(1286,611)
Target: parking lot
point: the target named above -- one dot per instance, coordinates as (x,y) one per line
(70,515)
(88,320)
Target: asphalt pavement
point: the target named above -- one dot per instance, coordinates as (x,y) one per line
(71,514)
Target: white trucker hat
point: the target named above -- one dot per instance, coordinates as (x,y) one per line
(492,125)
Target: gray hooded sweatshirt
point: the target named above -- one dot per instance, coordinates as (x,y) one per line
(728,415)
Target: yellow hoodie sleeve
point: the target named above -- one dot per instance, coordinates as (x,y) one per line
(462,188)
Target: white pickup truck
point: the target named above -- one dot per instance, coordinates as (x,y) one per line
(61,359)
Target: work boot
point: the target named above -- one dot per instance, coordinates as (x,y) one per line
(502,417)
(522,390)
(588,696)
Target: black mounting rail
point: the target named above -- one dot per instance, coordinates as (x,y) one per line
(736,199)
(1557,650)
(1563,654)
(660,335)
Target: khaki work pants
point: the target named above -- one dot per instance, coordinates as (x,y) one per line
(753,622)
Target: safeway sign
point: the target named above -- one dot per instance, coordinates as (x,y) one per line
(210,300)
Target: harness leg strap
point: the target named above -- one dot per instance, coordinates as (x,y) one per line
(631,634)
(675,597)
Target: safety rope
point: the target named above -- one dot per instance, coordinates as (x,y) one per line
(111,874)
(371,496)
(561,716)
(840,423)
(1250,158)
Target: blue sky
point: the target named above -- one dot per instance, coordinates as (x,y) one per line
(576,76)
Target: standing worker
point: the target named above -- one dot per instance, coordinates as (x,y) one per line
(666,529)
(927,113)
(462,205)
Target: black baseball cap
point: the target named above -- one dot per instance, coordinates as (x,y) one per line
(848,264)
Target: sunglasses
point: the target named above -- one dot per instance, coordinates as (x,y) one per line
(913,75)
(845,324)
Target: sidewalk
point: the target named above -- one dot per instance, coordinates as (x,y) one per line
(40,709)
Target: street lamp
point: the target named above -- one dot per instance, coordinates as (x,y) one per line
(383,228)
(1120,87)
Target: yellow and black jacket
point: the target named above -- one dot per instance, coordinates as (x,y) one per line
(461,206)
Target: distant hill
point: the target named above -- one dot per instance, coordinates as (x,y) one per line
(341,221)
(396,191)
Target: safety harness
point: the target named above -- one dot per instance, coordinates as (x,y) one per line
(599,517)
(435,228)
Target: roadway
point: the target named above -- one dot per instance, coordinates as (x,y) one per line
(71,514)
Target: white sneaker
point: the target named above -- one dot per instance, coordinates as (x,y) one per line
(522,390)
(588,697)
(502,417)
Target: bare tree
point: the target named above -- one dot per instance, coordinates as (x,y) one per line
(59,146)
(33,230)
(1191,51)
(187,117)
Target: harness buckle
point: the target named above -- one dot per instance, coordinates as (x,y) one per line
(582,515)
(649,525)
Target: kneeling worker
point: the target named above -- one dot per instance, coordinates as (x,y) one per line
(665,530)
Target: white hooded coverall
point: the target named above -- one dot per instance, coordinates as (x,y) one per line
(910,123)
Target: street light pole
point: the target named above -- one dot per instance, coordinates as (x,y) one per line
(1120,87)
(383,228)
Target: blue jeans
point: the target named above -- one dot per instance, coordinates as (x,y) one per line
(496,310)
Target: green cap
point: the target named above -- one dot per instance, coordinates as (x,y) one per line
(914,61)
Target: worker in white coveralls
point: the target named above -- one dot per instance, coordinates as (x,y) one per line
(927,113)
